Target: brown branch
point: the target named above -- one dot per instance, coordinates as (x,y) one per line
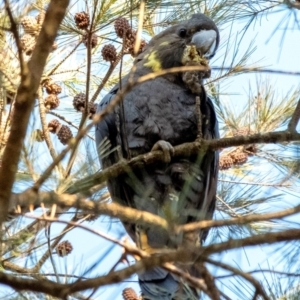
(106,77)
(184,150)
(213,291)
(30,79)
(77,201)
(255,69)
(132,215)
(48,253)
(182,255)
(78,225)
(193,281)
(85,112)
(260,239)
(42,111)
(238,221)
(262,271)
(129,249)
(246,276)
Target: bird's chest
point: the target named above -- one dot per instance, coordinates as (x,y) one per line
(159,111)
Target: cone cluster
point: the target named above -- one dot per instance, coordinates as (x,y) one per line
(93,41)
(236,157)
(64,248)
(52,89)
(240,155)
(129,36)
(109,53)
(82,20)
(63,132)
(79,104)
(32,26)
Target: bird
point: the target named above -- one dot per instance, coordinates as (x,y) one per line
(160,114)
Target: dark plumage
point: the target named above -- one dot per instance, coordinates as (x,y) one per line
(163,109)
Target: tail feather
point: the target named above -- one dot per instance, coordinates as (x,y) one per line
(158,284)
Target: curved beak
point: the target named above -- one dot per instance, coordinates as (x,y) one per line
(205,42)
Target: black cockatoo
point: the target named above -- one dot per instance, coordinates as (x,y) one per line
(159,114)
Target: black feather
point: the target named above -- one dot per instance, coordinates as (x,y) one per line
(163,109)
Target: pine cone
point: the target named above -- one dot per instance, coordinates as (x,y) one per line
(129,294)
(64,248)
(40,18)
(54,126)
(28,43)
(79,102)
(122,27)
(53,88)
(30,25)
(130,42)
(82,20)
(109,53)
(239,157)
(51,101)
(225,162)
(94,40)
(64,134)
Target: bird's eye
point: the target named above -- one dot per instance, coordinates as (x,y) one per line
(182,32)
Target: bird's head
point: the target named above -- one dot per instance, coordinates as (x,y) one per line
(168,49)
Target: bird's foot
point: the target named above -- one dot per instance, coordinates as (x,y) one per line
(166,148)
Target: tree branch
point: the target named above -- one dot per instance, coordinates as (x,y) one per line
(135,216)
(246,276)
(30,79)
(184,150)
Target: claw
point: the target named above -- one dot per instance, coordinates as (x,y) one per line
(166,148)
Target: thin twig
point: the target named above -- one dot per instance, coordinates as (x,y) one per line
(159,259)
(135,216)
(255,69)
(106,77)
(246,276)
(29,164)
(262,271)
(46,134)
(52,72)
(46,255)
(67,121)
